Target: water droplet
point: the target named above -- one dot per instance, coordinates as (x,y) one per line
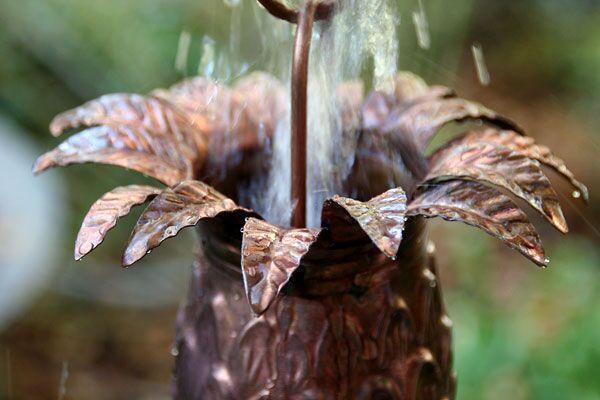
(430,247)
(576,194)
(206,67)
(86,247)
(482,72)
(183,49)
(422,27)
(231,3)
(546,260)
(174,351)
(64,375)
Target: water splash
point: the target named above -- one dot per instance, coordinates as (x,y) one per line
(358,31)
(483,74)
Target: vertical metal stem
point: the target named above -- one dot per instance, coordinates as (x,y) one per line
(299,111)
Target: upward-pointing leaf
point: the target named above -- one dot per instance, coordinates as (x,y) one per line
(381,218)
(501,166)
(174,209)
(105,212)
(483,207)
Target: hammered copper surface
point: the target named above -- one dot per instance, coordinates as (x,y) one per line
(500,166)
(481,206)
(173,210)
(340,318)
(105,212)
(526,146)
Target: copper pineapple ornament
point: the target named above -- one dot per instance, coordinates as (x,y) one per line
(350,310)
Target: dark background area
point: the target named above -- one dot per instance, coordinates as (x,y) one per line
(91,330)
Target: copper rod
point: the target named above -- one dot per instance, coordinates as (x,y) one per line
(299,111)
(281,11)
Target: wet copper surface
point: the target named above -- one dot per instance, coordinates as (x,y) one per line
(526,146)
(105,212)
(500,166)
(340,318)
(484,207)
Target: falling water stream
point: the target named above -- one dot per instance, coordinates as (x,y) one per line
(358,31)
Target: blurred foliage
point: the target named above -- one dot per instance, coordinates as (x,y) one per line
(520,333)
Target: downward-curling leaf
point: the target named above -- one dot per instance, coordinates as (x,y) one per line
(172,210)
(270,256)
(105,212)
(424,119)
(132,131)
(381,218)
(483,207)
(123,147)
(409,89)
(526,146)
(500,166)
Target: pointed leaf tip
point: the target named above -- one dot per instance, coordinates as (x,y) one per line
(382,218)
(175,209)
(105,212)
(483,207)
(500,166)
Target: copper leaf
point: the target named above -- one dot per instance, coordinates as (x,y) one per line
(381,218)
(526,146)
(174,209)
(501,166)
(483,207)
(105,212)
(270,256)
(122,146)
(425,118)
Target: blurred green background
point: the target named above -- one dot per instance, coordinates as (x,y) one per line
(94,331)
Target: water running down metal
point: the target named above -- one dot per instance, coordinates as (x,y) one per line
(304,18)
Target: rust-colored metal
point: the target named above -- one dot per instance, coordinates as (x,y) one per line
(500,166)
(279,10)
(105,212)
(299,111)
(484,207)
(352,310)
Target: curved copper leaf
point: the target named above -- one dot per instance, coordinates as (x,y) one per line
(270,256)
(424,119)
(159,157)
(381,218)
(501,166)
(173,210)
(105,212)
(409,89)
(526,146)
(483,207)
(230,118)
